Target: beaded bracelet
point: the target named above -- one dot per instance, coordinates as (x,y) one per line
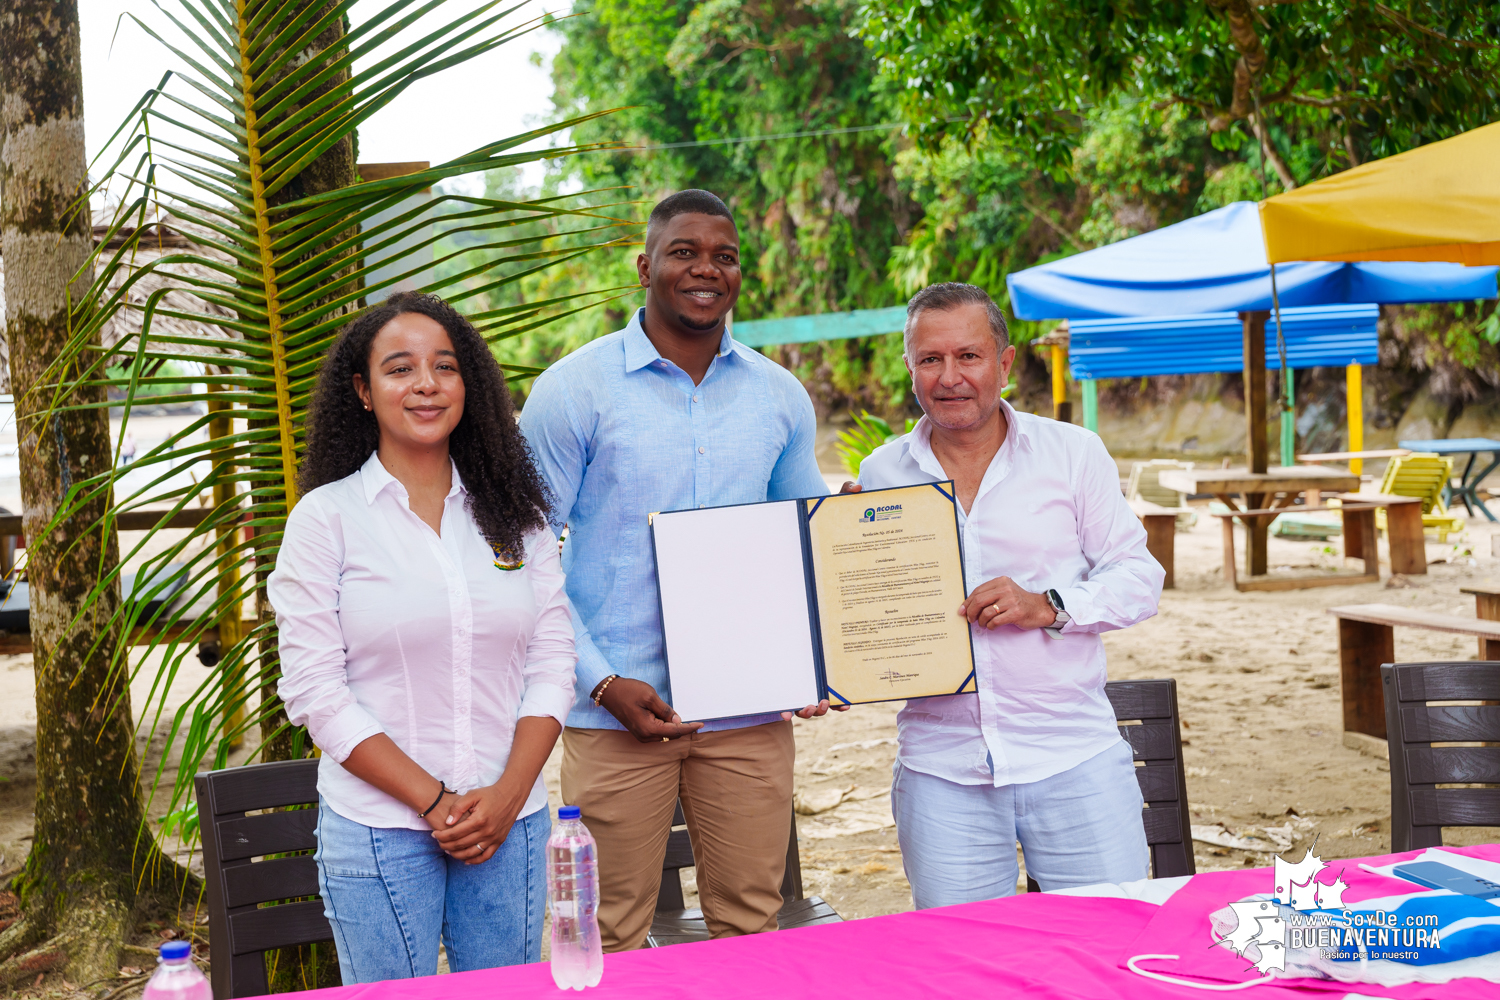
(603,686)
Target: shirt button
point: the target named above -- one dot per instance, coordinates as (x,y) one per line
(702,451)
(695,399)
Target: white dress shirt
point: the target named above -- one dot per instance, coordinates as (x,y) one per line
(387,627)
(1049,514)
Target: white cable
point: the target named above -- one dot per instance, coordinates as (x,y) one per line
(1130,964)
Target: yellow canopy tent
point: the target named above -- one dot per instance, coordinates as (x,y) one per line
(1436,202)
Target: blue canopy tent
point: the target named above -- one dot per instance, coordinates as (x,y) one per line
(1216,263)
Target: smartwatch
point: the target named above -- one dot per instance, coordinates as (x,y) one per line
(1055,599)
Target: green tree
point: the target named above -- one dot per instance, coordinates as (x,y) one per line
(818,215)
(1352,79)
(271,235)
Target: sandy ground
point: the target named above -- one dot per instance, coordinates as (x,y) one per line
(1257,679)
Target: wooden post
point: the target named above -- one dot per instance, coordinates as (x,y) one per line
(1161,541)
(1253,328)
(1403,529)
(1363,647)
(1061,408)
(221,427)
(1354,402)
(1091,404)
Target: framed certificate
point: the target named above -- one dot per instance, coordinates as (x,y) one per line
(775,606)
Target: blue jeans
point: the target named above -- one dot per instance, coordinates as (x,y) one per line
(1080,827)
(390,893)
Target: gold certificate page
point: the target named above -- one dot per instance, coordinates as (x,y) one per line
(889,580)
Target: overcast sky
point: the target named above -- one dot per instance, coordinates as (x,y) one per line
(488,98)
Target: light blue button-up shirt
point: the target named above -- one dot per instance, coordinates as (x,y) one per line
(620,432)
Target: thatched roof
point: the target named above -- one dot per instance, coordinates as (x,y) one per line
(156,241)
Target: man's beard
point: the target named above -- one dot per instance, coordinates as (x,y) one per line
(699,326)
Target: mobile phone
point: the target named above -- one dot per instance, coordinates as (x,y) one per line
(1436,875)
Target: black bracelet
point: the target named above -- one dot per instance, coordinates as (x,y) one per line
(443,789)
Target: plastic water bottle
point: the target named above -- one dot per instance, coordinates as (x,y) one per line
(176,977)
(573,885)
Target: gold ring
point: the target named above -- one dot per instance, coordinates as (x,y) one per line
(666,739)
(996,608)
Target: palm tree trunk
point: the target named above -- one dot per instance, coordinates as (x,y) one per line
(78,887)
(334,169)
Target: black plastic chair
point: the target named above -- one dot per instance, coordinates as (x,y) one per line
(1150,723)
(241,927)
(1419,808)
(674,923)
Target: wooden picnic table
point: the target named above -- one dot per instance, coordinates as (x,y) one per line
(1263,493)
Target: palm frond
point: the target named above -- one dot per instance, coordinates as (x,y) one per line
(215,258)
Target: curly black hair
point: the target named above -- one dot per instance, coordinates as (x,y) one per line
(507,497)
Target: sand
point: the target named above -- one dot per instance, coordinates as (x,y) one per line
(1257,680)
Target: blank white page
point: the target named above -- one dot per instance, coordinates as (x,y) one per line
(734,609)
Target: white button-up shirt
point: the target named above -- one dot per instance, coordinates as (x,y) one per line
(1049,514)
(386,626)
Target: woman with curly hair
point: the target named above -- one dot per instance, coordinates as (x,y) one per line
(426,645)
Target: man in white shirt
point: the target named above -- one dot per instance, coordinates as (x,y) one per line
(1053,556)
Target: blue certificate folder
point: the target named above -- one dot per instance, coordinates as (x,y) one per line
(773,606)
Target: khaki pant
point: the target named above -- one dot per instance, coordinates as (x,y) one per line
(736,791)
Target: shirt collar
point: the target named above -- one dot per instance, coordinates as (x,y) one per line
(918,443)
(640,352)
(375,477)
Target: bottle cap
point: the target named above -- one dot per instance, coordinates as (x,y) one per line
(176,949)
(569,812)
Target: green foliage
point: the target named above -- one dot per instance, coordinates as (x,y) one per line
(183,821)
(868,433)
(817,215)
(270,273)
(1374,77)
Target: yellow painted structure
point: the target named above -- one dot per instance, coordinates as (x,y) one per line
(1354,402)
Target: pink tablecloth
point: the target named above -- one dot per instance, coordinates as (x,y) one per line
(1039,945)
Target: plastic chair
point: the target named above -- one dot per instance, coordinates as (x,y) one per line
(240,923)
(1436,747)
(1145,484)
(1424,475)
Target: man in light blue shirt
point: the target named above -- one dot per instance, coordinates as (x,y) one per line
(667,414)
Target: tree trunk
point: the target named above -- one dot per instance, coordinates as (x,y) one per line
(78,884)
(334,169)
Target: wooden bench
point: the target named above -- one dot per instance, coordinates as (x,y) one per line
(1367,639)
(1161,534)
(1486,607)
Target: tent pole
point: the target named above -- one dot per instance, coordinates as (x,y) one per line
(1091,405)
(1253,329)
(1354,402)
(1061,408)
